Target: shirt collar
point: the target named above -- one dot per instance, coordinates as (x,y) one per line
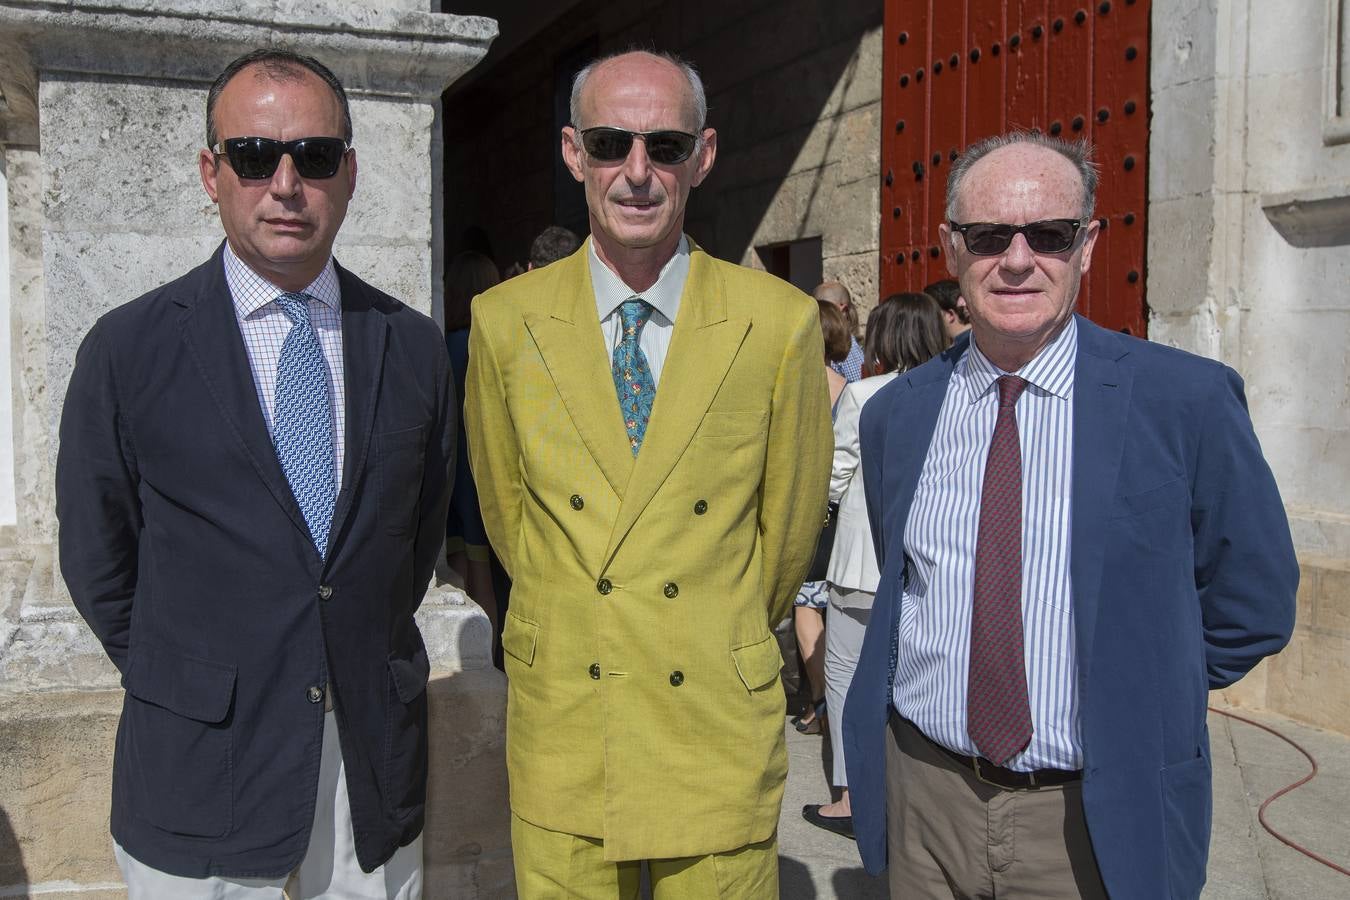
(664,296)
(251,292)
(1050,370)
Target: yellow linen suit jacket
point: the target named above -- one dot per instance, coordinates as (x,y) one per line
(644,705)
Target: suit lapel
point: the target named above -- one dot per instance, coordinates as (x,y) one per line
(1101,406)
(364,336)
(211,332)
(703,346)
(569,340)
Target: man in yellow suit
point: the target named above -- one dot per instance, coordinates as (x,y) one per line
(650,434)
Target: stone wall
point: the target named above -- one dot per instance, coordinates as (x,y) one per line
(794,91)
(1249,257)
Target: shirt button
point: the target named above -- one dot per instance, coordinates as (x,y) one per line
(672,590)
(577,502)
(595,671)
(314,694)
(676,678)
(700,507)
(603,586)
(325,592)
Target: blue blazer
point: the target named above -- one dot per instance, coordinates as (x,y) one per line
(1183,576)
(188,556)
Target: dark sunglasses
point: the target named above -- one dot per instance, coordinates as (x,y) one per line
(991,239)
(257,157)
(613,144)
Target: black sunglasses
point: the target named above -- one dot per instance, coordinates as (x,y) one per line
(606,144)
(257,157)
(991,239)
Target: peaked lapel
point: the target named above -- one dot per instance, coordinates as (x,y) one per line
(211,332)
(582,376)
(365,334)
(703,346)
(1101,404)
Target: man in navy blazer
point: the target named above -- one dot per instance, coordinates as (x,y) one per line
(1063,751)
(252,486)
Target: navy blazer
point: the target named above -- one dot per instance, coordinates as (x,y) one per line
(1183,576)
(188,556)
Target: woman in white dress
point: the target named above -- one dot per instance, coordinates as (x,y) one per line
(905,331)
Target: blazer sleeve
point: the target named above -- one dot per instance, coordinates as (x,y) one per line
(97,502)
(847,457)
(437,472)
(797,465)
(1246,572)
(494,451)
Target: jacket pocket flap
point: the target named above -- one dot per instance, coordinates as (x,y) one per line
(195,688)
(410,674)
(759,663)
(519,637)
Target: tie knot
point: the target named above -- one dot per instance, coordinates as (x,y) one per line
(634,314)
(1010,387)
(295,306)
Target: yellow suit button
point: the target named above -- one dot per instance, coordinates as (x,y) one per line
(595,671)
(672,590)
(676,678)
(577,502)
(603,586)
(700,507)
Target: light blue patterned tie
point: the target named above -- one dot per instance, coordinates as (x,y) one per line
(632,377)
(302,421)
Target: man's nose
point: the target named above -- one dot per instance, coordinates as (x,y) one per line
(1019,257)
(637,165)
(285,180)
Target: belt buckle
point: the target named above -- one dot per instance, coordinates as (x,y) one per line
(1031,778)
(975,765)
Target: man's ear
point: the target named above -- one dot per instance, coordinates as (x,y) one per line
(209,167)
(572,153)
(948,239)
(706,154)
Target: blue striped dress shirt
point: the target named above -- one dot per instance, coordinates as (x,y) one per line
(940,536)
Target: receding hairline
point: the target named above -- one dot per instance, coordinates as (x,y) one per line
(684,72)
(832,292)
(998,153)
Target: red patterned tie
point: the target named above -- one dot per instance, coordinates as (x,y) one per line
(997,714)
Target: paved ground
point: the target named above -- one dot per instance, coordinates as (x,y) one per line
(1245,862)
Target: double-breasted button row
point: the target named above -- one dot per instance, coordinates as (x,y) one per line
(671,590)
(595,671)
(700,507)
(676,678)
(577,502)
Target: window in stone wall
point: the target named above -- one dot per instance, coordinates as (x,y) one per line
(796,262)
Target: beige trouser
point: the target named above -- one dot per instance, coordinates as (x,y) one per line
(553,864)
(949,834)
(329,869)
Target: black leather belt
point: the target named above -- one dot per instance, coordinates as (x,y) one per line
(998,776)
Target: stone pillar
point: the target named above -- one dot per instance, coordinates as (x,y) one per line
(102,117)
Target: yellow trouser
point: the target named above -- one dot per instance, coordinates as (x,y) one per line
(553,864)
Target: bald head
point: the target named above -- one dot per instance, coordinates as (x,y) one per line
(677,79)
(834,292)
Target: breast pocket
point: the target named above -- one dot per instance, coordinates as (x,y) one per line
(400,456)
(1157,519)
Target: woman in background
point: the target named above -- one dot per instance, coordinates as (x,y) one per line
(905,331)
(466,545)
(808,612)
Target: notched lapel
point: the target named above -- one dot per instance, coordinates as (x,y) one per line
(1101,406)
(365,335)
(211,332)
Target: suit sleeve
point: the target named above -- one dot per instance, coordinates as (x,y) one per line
(1246,572)
(437,471)
(797,465)
(846,457)
(97,501)
(494,452)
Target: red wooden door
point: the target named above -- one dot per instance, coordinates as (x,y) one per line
(956,71)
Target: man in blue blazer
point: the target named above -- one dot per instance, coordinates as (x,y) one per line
(252,486)
(1079,538)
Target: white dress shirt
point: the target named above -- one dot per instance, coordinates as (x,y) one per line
(940,537)
(664,297)
(264,326)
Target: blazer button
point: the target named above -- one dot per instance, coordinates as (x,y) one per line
(672,590)
(595,671)
(700,507)
(603,586)
(577,502)
(314,694)
(325,592)
(676,678)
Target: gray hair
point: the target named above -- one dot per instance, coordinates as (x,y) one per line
(700,97)
(1077,152)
